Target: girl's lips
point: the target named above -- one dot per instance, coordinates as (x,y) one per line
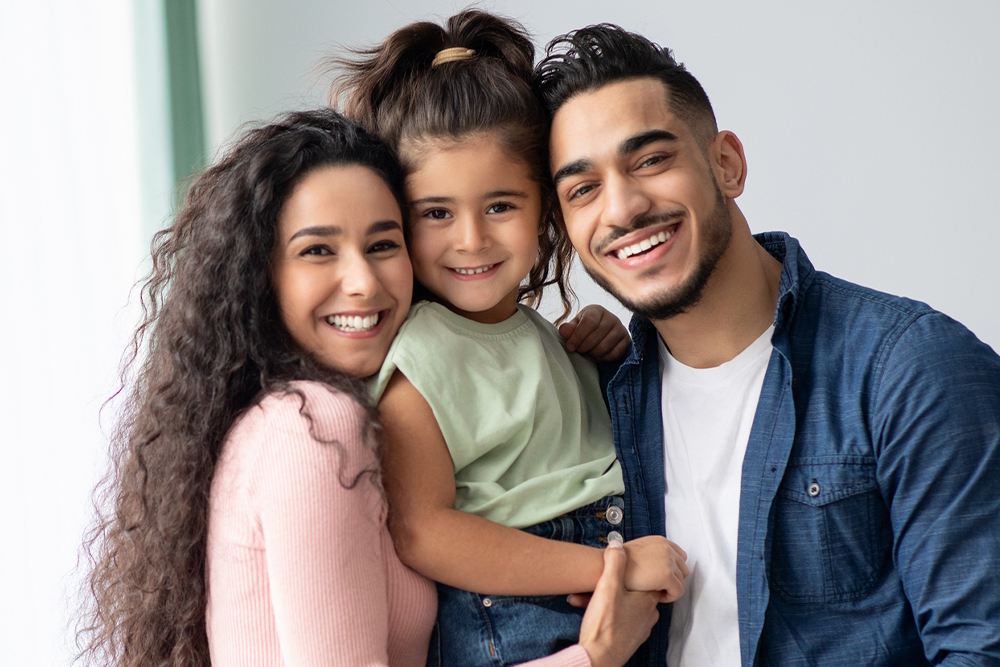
(493,268)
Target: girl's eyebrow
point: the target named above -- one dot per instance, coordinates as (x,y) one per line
(432,200)
(505,193)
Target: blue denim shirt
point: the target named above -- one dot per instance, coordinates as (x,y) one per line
(869,529)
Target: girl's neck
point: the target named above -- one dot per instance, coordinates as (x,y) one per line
(503,310)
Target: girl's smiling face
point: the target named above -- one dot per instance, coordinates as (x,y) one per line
(475,217)
(340,271)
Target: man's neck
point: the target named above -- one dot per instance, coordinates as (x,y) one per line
(736,307)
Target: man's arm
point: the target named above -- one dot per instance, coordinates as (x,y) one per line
(936,426)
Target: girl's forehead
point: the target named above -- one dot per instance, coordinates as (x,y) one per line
(416,153)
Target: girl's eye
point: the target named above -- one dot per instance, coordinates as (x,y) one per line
(383,246)
(500,207)
(437,214)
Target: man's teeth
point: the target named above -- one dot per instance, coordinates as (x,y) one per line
(643,245)
(353,323)
(472,272)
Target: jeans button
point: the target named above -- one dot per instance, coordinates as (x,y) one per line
(615,535)
(614,515)
(487,602)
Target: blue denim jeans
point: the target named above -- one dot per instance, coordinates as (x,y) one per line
(475,630)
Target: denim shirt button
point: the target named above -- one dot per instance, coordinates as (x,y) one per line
(614,515)
(813,490)
(487,602)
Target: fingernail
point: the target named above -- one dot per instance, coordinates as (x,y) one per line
(615,543)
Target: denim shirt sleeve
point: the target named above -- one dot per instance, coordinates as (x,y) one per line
(936,429)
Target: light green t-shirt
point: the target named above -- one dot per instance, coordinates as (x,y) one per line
(524,420)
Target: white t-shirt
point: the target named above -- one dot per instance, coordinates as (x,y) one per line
(707,416)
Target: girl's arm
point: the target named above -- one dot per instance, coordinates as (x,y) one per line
(475,554)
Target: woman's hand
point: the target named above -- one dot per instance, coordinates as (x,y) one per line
(656,564)
(597,333)
(617,621)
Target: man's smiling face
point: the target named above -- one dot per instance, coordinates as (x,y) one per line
(638,196)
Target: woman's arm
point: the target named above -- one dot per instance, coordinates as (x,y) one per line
(324,551)
(472,553)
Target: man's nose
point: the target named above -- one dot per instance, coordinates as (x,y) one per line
(624,201)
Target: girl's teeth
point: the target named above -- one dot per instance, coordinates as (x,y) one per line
(645,244)
(472,272)
(352,323)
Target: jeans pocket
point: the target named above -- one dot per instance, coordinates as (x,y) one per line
(831,531)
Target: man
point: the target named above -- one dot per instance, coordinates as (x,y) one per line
(827,455)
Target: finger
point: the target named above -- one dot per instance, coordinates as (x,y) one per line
(612,346)
(590,340)
(587,320)
(676,548)
(579,599)
(566,329)
(619,351)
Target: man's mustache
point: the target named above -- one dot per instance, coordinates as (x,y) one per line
(638,222)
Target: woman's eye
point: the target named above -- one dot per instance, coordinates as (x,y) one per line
(317,250)
(500,207)
(383,246)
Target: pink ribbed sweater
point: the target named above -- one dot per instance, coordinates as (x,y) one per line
(301,570)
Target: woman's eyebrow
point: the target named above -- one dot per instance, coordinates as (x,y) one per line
(383,226)
(317,231)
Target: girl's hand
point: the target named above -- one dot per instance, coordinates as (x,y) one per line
(656,564)
(617,621)
(597,333)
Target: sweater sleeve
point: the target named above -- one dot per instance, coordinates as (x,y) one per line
(573,656)
(325,564)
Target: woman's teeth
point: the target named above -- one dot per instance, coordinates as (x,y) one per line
(644,245)
(472,272)
(353,323)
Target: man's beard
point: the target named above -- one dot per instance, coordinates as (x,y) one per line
(717,231)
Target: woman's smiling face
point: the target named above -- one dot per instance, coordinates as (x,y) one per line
(340,270)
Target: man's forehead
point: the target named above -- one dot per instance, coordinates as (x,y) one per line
(598,121)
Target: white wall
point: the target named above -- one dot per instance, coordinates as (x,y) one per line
(869,126)
(70,246)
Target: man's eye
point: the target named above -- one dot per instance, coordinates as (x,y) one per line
(650,161)
(580,191)
(500,207)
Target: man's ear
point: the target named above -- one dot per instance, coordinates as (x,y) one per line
(729,164)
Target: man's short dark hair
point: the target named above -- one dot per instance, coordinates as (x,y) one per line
(592,57)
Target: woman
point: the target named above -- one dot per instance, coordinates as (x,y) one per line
(281,282)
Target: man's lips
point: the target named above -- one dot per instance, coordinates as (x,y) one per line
(642,241)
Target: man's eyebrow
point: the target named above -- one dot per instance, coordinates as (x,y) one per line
(632,144)
(383,226)
(571,169)
(317,231)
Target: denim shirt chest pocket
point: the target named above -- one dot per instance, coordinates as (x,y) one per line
(831,530)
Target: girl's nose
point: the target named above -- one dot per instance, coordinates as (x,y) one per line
(471,235)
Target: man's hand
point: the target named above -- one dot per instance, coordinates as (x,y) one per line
(597,333)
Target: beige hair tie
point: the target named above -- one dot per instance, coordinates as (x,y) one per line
(451,55)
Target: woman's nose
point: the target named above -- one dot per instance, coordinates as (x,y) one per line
(359,278)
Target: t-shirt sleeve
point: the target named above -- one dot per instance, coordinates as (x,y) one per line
(323,539)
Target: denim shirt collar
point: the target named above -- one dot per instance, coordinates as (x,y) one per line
(797,273)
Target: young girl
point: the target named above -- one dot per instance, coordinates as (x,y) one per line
(496,437)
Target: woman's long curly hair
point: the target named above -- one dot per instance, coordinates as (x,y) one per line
(397,91)
(214,345)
